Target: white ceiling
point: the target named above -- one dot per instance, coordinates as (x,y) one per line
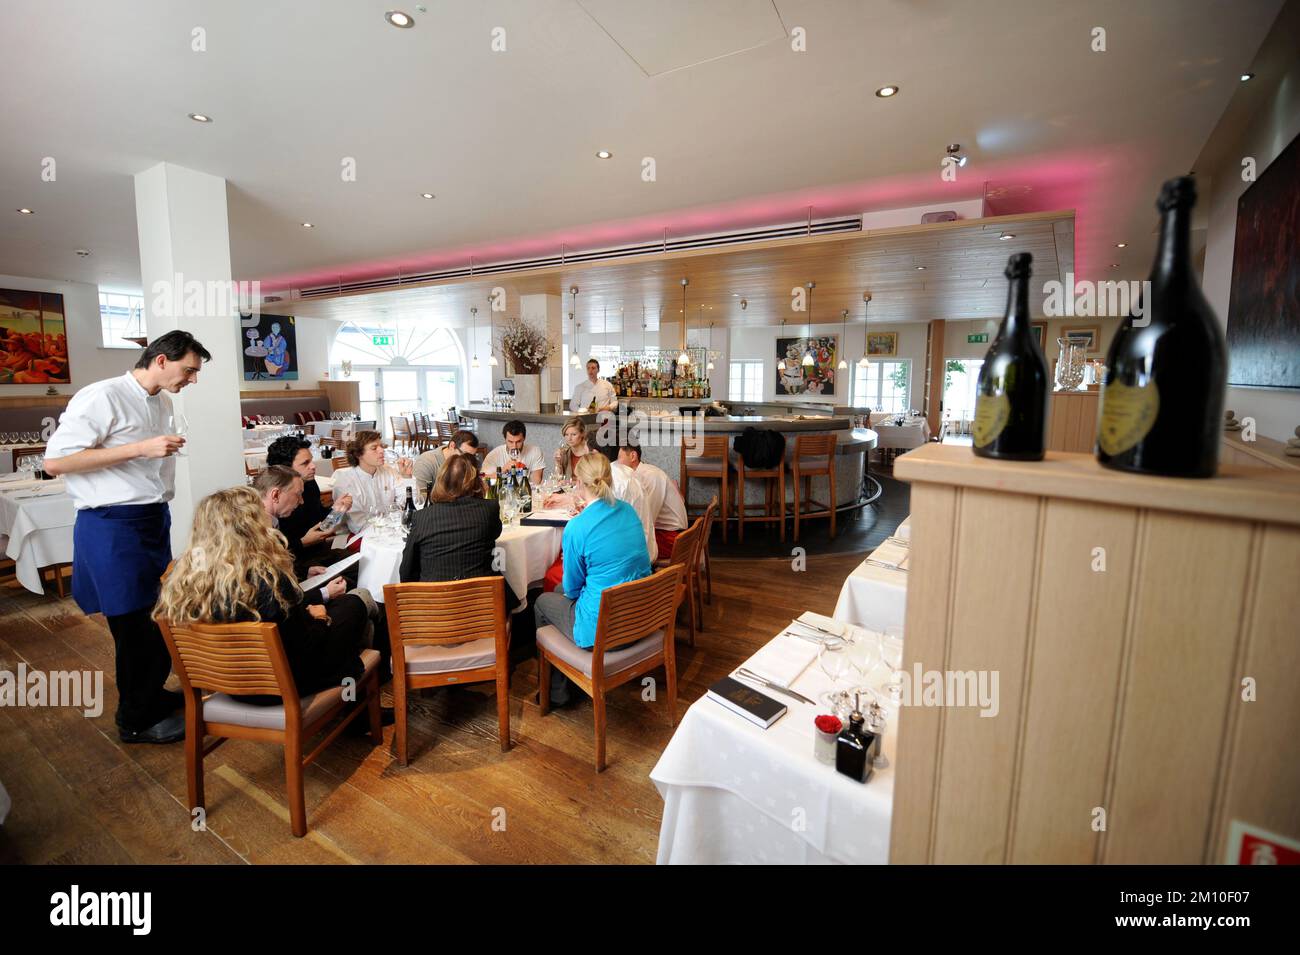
(507,139)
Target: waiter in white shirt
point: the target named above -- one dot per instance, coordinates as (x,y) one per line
(594,389)
(663,498)
(114,444)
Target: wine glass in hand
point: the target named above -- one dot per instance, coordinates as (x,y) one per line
(177,425)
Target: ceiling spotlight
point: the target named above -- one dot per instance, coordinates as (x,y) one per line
(427,195)
(82,252)
(920,268)
(954,150)
(24,211)
(200,117)
(399,19)
(1247,76)
(308,225)
(1006,235)
(744,304)
(603,154)
(1114,265)
(886,91)
(1121,245)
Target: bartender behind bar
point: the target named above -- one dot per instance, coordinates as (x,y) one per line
(115,445)
(594,390)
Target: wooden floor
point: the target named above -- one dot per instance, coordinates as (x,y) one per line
(80,796)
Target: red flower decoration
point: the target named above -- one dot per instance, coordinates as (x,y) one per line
(829,724)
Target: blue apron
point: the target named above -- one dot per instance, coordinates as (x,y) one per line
(118,557)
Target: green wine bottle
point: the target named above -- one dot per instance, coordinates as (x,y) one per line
(1011,396)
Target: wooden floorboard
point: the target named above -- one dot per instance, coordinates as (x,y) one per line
(81,796)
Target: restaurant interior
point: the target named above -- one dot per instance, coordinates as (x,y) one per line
(750,273)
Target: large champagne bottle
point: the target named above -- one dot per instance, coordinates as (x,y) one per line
(1011,398)
(1162,399)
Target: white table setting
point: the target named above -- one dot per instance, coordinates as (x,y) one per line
(912,433)
(874,595)
(736,793)
(7,453)
(36,519)
(348,427)
(255,458)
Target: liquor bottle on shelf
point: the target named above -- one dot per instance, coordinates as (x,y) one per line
(1011,395)
(1162,398)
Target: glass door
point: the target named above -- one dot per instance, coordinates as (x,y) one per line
(960,380)
(399,395)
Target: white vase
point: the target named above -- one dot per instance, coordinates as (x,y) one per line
(528,393)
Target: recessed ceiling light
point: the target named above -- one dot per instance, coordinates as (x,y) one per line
(200,117)
(886,91)
(604,154)
(1121,245)
(24,211)
(1114,265)
(82,252)
(1247,76)
(427,195)
(308,225)
(920,268)
(1006,235)
(399,19)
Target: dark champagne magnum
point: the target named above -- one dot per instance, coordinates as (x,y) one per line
(1011,398)
(1162,400)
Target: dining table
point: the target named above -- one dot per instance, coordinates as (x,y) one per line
(7,454)
(36,519)
(736,793)
(874,595)
(328,427)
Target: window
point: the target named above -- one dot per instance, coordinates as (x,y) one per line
(121,317)
(960,382)
(883,385)
(746,381)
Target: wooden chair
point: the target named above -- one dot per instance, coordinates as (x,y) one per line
(401,430)
(710,513)
(444,633)
(686,554)
(445,430)
(248,659)
(712,463)
(774,498)
(814,456)
(634,635)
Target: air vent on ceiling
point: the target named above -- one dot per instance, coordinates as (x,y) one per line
(789,231)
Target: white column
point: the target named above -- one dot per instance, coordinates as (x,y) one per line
(546,312)
(184,238)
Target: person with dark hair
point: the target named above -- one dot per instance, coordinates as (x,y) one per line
(453,536)
(114,444)
(593,393)
(515,453)
(663,499)
(373,485)
(430,464)
(311,545)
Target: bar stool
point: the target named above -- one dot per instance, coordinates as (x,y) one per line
(814,456)
(713,463)
(775,478)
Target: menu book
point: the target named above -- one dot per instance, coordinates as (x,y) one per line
(747,701)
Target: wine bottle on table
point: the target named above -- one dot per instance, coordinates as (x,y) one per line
(1011,396)
(1166,372)
(408,511)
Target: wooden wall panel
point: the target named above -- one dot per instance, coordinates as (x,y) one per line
(994,583)
(1186,624)
(1078,643)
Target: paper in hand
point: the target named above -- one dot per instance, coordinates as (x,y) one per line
(332,571)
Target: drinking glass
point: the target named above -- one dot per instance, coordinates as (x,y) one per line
(176,424)
(891,651)
(833,658)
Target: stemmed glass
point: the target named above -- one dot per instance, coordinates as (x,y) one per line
(891,651)
(834,659)
(176,424)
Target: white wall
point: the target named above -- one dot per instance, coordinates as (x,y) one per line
(87,360)
(1276,410)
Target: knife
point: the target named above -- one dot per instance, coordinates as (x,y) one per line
(751,675)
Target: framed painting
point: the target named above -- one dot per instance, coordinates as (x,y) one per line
(33,339)
(1090,335)
(270,347)
(882,344)
(817,379)
(1039,331)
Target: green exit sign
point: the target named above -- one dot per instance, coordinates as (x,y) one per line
(970,339)
(381,339)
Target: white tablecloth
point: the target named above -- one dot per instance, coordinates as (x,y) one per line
(528,552)
(876,597)
(326,428)
(737,793)
(260,435)
(7,455)
(908,435)
(36,519)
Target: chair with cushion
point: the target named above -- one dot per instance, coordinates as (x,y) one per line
(766,452)
(686,554)
(814,456)
(634,635)
(247,659)
(448,633)
(714,462)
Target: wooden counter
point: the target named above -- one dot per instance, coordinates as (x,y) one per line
(1122,614)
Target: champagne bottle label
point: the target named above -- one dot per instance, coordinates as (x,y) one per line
(992,412)
(1127,415)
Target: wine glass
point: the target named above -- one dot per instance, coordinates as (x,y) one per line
(864,651)
(833,658)
(891,651)
(176,424)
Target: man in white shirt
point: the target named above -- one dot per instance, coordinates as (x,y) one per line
(114,447)
(663,499)
(516,453)
(430,464)
(628,488)
(595,389)
(372,484)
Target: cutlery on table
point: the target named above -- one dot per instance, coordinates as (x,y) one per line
(769,684)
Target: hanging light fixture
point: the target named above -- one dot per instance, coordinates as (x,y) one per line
(808,359)
(574,360)
(684,358)
(492,335)
(473,318)
(780,365)
(709,355)
(844,318)
(866,300)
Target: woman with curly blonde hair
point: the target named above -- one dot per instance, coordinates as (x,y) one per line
(239,568)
